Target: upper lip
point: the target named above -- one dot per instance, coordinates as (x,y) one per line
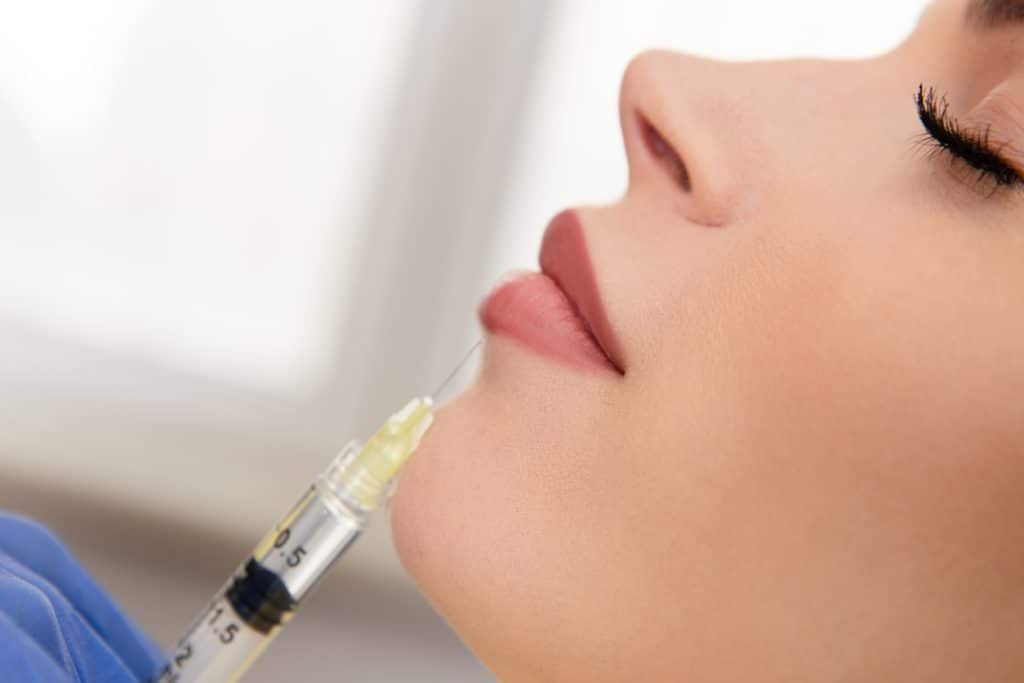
(565,259)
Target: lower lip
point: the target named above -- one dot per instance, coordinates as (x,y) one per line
(533,310)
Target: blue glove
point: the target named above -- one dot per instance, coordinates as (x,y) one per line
(56,623)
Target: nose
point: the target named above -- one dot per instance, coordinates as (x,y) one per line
(675,112)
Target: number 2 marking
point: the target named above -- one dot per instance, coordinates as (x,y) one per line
(183,654)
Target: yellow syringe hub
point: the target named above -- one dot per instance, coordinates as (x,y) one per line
(365,475)
(388,449)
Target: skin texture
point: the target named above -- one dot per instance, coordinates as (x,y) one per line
(813,467)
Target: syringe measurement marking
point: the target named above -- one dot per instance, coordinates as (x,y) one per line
(295,557)
(227,636)
(172,670)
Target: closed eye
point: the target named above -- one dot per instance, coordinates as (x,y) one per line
(973,147)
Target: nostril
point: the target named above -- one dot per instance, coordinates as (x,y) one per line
(665,154)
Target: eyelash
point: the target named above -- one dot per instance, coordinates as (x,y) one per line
(944,133)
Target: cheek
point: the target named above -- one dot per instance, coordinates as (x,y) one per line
(825,335)
(929,336)
(848,440)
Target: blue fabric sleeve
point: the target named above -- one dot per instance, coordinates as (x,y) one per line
(70,622)
(22,659)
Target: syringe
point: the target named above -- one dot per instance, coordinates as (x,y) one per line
(255,603)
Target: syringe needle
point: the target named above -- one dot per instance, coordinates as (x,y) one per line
(469,354)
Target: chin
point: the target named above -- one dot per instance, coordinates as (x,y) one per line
(480,502)
(442,514)
(484,447)
(448,493)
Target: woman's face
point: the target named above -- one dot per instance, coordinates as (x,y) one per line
(811,467)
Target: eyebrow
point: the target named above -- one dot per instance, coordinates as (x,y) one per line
(995,13)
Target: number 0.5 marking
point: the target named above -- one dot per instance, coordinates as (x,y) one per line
(295,557)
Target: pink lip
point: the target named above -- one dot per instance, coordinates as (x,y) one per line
(558,312)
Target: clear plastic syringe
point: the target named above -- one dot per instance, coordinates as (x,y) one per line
(256,602)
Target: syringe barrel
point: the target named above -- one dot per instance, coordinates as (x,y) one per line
(249,611)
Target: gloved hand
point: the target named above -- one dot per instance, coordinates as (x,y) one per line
(56,623)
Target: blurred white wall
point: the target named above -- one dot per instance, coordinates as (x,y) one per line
(235,233)
(197,171)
